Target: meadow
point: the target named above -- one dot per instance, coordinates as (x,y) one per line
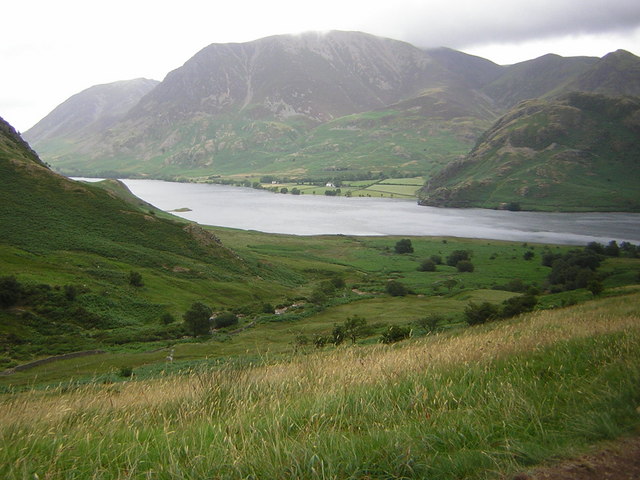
(473,403)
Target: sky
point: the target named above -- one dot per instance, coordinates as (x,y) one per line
(51,50)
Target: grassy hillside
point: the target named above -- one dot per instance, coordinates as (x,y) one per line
(577,153)
(72,249)
(485,403)
(394,141)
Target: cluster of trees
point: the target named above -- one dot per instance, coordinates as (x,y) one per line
(326,289)
(479,313)
(461,259)
(199,319)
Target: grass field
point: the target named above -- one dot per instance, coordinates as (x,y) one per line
(473,404)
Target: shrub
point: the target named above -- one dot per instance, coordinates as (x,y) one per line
(268,308)
(465,266)
(9,291)
(167,319)
(595,287)
(135,279)
(476,314)
(516,305)
(427,266)
(126,372)
(396,289)
(404,246)
(528,255)
(395,333)
(225,319)
(430,322)
(456,256)
(437,259)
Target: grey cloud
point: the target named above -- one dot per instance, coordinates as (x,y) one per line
(475,23)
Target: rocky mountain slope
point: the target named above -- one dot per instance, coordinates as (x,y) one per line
(91,111)
(341,104)
(579,152)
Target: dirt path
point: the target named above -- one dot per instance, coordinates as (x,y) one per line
(618,460)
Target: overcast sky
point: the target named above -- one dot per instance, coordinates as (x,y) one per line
(51,50)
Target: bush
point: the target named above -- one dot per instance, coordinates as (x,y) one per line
(437,259)
(225,319)
(528,255)
(404,246)
(395,333)
(126,372)
(465,266)
(430,322)
(135,279)
(427,266)
(476,314)
(396,289)
(9,291)
(516,305)
(456,256)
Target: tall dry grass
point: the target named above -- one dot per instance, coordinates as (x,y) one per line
(491,398)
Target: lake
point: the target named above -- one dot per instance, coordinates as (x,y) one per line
(250,209)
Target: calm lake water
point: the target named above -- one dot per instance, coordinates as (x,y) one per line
(250,209)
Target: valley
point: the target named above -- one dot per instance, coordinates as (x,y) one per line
(138,344)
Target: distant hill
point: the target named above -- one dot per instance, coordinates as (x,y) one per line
(579,152)
(338,105)
(90,111)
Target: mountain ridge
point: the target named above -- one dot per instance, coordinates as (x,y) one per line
(306,105)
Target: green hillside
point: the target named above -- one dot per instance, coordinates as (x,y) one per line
(73,247)
(577,153)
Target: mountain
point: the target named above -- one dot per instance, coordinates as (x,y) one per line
(579,152)
(90,111)
(536,78)
(617,73)
(334,105)
(254,107)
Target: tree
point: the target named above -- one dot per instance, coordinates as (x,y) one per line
(197,319)
(449,283)
(404,246)
(612,249)
(595,287)
(528,255)
(456,256)
(338,334)
(354,327)
(135,279)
